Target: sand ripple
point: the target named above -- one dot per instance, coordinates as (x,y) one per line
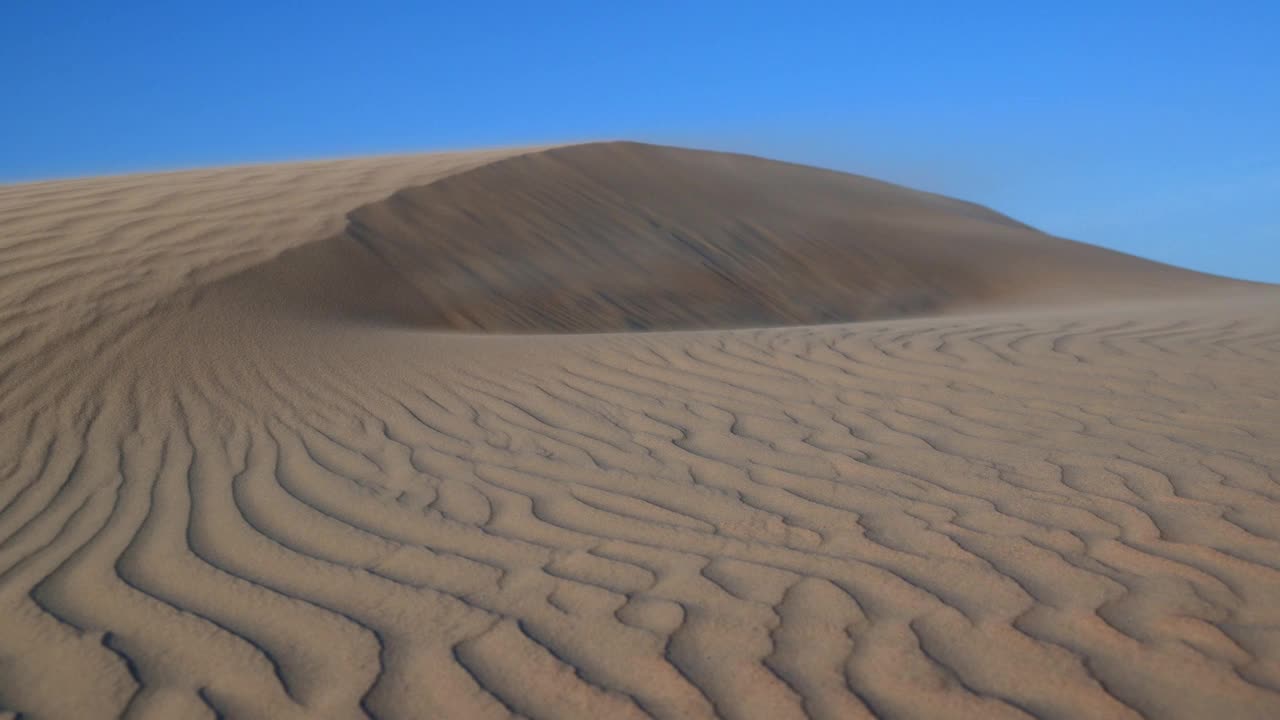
(211,506)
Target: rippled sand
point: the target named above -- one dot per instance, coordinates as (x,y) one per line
(249,466)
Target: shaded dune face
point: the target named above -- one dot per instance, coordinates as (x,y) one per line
(624,236)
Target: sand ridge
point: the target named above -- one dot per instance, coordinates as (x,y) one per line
(609,237)
(216,501)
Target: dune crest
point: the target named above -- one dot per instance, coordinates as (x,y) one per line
(243,474)
(609,237)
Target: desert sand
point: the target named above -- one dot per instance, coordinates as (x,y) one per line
(380,437)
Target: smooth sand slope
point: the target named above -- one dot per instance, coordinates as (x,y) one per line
(623,236)
(250,468)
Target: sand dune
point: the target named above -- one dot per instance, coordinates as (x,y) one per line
(249,468)
(623,236)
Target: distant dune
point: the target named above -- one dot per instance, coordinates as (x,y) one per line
(368,438)
(623,236)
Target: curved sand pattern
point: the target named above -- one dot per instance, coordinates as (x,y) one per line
(239,486)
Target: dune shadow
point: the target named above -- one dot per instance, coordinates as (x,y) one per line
(611,237)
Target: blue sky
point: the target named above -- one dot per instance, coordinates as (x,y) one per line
(1147,127)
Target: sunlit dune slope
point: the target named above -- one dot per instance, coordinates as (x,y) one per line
(625,236)
(245,472)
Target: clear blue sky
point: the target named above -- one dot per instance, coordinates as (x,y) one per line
(1150,127)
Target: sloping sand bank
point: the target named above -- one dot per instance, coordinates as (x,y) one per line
(246,470)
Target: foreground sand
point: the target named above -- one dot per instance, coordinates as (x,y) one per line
(216,500)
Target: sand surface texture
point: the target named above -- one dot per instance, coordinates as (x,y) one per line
(250,468)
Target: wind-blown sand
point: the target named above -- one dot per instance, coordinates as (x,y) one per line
(250,468)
